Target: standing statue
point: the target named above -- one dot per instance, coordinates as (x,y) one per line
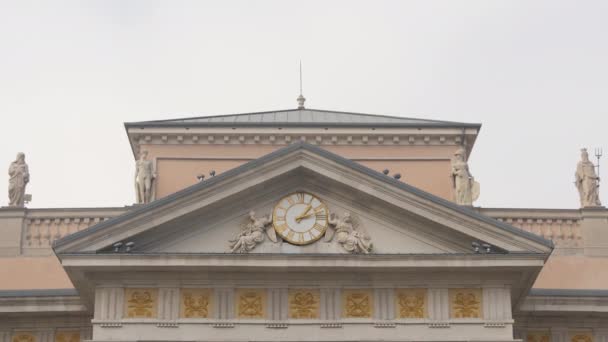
(19,177)
(252,233)
(349,234)
(587,182)
(144,179)
(466,189)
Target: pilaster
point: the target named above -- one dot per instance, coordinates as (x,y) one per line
(594,225)
(168,304)
(439,305)
(330,304)
(12,220)
(224,303)
(559,334)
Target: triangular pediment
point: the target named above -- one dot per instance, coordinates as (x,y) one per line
(395,217)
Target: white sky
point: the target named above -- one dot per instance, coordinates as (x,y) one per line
(534,73)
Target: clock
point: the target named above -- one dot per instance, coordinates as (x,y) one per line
(300,218)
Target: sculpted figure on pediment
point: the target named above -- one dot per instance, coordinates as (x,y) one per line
(348,233)
(466,189)
(587,182)
(144,179)
(19,177)
(252,233)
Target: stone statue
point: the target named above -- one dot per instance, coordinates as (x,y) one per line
(144,179)
(19,177)
(349,234)
(587,182)
(252,233)
(466,189)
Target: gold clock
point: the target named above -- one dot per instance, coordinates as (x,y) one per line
(300,218)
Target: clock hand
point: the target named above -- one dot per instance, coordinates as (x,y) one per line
(303,215)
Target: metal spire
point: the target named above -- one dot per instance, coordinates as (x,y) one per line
(301,98)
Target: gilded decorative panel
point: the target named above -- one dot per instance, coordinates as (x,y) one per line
(357,303)
(465,303)
(410,303)
(67,336)
(250,303)
(196,303)
(538,336)
(581,337)
(24,337)
(304,303)
(141,303)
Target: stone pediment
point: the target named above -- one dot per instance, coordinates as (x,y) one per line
(388,216)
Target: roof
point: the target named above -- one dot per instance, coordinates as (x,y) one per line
(284,151)
(302,118)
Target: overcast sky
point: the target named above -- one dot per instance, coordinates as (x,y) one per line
(534,73)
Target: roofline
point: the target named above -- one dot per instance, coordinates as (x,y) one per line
(171,123)
(319,151)
(568,293)
(38,293)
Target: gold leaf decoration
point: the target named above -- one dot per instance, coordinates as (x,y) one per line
(304,304)
(141,303)
(411,303)
(250,303)
(196,303)
(538,336)
(67,336)
(24,337)
(581,337)
(465,303)
(357,304)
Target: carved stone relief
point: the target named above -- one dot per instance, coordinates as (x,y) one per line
(538,336)
(24,337)
(304,303)
(357,303)
(196,303)
(349,234)
(250,303)
(67,336)
(410,303)
(141,303)
(252,233)
(465,303)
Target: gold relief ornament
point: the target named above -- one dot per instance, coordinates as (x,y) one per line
(195,303)
(349,233)
(357,304)
(141,303)
(24,337)
(538,337)
(252,231)
(582,337)
(304,304)
(466,303)
(411,303)
(250,304)
(67,336)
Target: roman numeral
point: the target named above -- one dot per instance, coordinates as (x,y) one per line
(321,215)
(300,197)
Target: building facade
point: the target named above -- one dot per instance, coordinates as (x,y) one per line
(304,225)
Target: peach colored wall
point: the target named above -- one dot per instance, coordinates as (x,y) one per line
(426,167)
(573,272)
(33,273)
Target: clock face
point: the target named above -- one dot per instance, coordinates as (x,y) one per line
(300,218)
